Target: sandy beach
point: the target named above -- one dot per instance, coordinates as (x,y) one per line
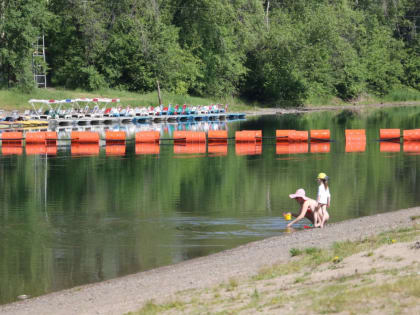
(121,295)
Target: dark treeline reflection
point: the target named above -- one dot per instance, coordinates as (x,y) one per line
(66,221)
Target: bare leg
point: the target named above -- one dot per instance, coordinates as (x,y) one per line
(325,215)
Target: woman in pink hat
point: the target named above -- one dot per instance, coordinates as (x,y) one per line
(307,207)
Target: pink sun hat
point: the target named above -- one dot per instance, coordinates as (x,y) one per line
(300,193)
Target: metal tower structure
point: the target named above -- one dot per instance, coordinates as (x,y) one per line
(39,62)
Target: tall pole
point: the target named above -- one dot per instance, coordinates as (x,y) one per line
(158,90)
(266,13)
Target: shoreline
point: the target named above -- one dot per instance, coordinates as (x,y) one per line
(129,293)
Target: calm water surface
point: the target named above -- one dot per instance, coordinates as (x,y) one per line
(70,219)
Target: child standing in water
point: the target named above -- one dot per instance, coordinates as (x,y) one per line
(321,214)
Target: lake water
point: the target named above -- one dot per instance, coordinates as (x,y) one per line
(70,219)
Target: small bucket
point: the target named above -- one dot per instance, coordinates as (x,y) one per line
(287,216)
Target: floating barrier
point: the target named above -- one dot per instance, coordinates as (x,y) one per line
(148,137)
(217,148)
(355,140)
(189,137)
(115,137)
(247,148)
(248,136)
(190,148)
(115,149)
(147,148)
(48,137)
(12,137)
(218,136)
(411,135)
(291,135)
(320,147)
(291,148)
(387,146)
(389,134)
(356,146)
(85,148)
(84,137)
(411,146)
(320,135)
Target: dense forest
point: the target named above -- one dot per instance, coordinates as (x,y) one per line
(268,51)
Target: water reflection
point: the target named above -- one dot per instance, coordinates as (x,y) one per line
(85,213)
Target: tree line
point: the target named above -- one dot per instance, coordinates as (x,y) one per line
(272,51)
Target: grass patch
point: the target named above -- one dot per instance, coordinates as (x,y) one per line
(402,95)
(150,308)
(339,298)
(295,252)
(15,99)
(415,217)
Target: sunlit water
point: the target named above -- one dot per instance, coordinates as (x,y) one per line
(69,219)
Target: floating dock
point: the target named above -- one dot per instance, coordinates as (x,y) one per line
(83,121)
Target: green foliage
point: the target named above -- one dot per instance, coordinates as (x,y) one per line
(292,53)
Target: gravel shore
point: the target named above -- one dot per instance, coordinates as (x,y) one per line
(129,293)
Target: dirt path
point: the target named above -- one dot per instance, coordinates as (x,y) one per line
(129,293)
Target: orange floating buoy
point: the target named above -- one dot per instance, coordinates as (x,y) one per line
(115,149)
(283,135)
(217,136)
(115,137)
(190,148)
(353,132)
(248,136)
(298,136)
(411,135)
(291,148)
(387,146)
(147,137)
(389,134)
(51,137)
(85,148)
(411,146)
(12,137)
(218,148)
(320,135)
(196,137)
(248,148)
(8,148)
(35,137)
(84,137)
(320,147)
(147,148)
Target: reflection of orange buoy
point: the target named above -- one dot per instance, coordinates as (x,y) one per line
(12,137)
(115,149)
(291,148)
(85,148)
(218,148)
(321,134)
(320,147)
(248,136)
(389,134)
(190,148)
(35,148)
(147,148)
(388,146)
(411,135)
(217,136)
(147,137)
(355,146)
(11,149)
(84,137)
(248,148)
(411,146)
